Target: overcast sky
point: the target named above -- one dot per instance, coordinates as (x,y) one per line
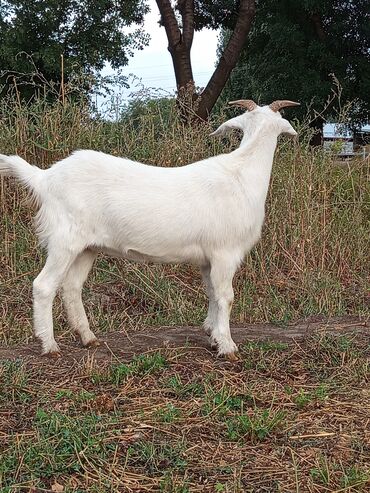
(153,64)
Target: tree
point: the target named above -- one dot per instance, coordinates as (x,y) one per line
(180,23)
(294,48)
(87,34)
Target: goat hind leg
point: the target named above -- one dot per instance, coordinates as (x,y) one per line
(72,290)
(44,289)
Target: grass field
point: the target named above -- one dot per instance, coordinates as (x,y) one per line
(287,417)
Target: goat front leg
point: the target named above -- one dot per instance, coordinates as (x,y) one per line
(223,268)
(44,289)
(72,299)
(210,322)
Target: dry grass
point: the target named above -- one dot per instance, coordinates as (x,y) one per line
(282,419)
(285,418)
(313,257)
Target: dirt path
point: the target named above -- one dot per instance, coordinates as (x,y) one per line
(121,345)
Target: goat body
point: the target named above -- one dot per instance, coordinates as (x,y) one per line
(208,213)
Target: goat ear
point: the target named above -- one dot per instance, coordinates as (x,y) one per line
(225,128)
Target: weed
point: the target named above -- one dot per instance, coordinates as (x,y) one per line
(303,398)
(171,484)
(321,473)
(13,382)
(265,346)
(257,425)
(223,402)
(155,457)
(59,446)
(355,476)
(139,366)
(183,390)
(169,413)
(81,396)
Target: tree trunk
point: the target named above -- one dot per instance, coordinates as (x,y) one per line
(193,105)
(179,43)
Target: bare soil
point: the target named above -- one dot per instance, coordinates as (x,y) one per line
(123,346)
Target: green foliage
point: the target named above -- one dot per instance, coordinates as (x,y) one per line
(294,47)
(223,403)
(140,365)
(215,13)
(257,425)
(13,382)
(303,398)
(87,34)
(157,456)
(169,413)
(184,390)
(60,445)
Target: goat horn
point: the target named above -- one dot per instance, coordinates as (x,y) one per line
(244,103)
(277,105)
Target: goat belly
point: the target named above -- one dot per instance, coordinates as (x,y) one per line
(191,255)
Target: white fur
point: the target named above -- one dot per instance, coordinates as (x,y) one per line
(208,213)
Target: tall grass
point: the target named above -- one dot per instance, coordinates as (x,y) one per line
(312,259)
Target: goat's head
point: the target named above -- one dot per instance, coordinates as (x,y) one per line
(257,117)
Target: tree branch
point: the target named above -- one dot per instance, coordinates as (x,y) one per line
(186,9)
(170,23)
(228,58)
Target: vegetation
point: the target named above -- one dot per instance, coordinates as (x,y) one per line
(191,424)
(294,48)
(312,259)
(34,35)
(282,418)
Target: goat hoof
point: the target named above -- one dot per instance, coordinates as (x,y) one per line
(92,344)
(231,357)
(51,350)
(214,346)
(53,354)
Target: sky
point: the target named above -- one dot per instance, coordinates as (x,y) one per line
(153,64)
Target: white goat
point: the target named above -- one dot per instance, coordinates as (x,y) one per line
(208,213)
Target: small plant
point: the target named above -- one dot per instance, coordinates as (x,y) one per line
(321,473)
(302,399)
(140,365)
(13,381)
(182,390)
(220,488)
(169,413)
(56,446)
(355,476)
(257,354)
(265,346)
(257,426)
(81,396)
(155,457)
(171,484)
(223,402)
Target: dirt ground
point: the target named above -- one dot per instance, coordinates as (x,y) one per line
(290,415)
(123,346)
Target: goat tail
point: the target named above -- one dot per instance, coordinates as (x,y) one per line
(28,175)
